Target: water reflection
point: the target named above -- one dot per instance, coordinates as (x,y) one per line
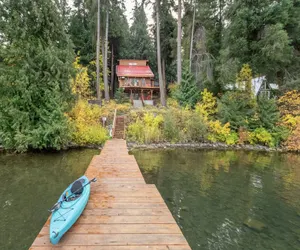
(229,199)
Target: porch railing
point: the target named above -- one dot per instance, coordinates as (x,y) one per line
(114,124)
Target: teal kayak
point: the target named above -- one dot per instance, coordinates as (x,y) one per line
(69,207)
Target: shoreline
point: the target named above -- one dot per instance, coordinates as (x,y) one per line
(204,145)
(66,148)
(168,145)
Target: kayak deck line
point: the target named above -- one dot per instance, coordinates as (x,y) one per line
(123,212)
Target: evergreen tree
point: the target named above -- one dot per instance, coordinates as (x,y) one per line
(256,34)
(188,92)
(121,96)
(268,113)
(237,108)
(168,40)
(82,29)
(119,30)
(35,75)
(141,45)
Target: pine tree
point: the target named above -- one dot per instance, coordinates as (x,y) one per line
(35,75)
(256,34)
(237,108)
(141,45)
(121,96)
(82,29)
(168,40)
(188,92)
(268,113)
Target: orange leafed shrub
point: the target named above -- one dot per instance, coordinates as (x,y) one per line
(293,141)
(243,136)
(289,103)
(289,106)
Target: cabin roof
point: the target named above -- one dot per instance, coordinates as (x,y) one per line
(134,71)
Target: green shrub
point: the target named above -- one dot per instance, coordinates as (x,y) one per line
(121,96)
(188,93)
(171,129)
(232,138)
(280,134)
(268,113)
(196,128)
(237,108)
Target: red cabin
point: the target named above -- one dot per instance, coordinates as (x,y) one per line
(137,79)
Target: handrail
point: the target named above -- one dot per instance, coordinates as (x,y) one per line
(114,123)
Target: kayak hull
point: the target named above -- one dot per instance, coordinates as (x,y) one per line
(63,218)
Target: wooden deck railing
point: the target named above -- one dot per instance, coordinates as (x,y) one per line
(114,124)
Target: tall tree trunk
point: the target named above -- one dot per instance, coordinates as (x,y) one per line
(163,67)
(98,55)
(112,72)
(164,75)
(192,37)
(179,69)
(161,84)
(105,75)
(103,61)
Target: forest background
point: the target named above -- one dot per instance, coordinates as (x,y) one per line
(48,64)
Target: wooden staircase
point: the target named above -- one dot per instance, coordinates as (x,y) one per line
(119,132)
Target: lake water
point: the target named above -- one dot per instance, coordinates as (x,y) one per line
(229,199)
(31,184)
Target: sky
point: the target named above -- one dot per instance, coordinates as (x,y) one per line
(129,7)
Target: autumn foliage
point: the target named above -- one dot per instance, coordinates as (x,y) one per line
(289,103)
(289,106)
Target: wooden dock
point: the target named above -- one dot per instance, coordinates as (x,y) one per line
(123,211)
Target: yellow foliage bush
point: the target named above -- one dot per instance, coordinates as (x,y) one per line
(171,102)
(173,88)
(221,133)
(244,79)
(85,123)
(208,106)
(147,129)
(261,136)
(81,84)
(290,121)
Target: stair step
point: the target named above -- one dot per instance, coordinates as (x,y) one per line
(119,127)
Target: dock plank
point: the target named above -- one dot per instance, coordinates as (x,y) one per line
(120,229)
(74,239)
(123,211)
